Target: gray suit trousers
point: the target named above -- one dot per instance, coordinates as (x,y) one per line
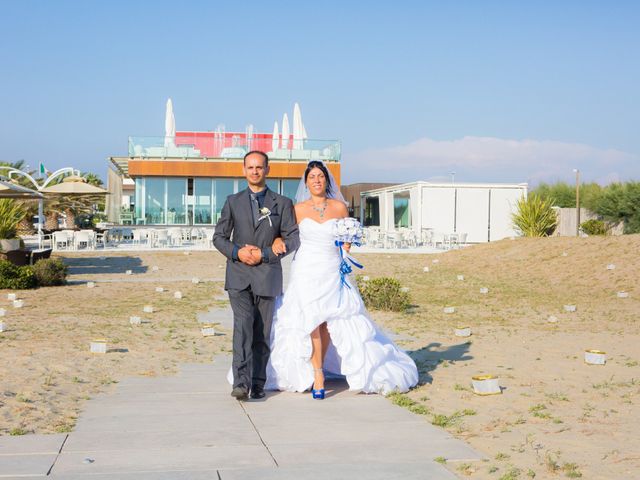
(252,319)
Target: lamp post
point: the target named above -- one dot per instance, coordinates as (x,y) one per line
(577,172)
(453,177)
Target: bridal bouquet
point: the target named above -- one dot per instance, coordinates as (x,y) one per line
(346,230)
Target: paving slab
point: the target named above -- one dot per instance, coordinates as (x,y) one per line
(222,316)
(188,426)
(391,471)
(166,475)
(31,444)
(159,460)
(26,465)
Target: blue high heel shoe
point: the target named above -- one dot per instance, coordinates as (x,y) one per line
(319,393)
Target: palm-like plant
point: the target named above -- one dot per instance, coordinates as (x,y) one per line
(535,216)
(11,213)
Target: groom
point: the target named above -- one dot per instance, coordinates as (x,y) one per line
(257,227)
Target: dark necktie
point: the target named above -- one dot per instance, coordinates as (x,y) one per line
(255,206)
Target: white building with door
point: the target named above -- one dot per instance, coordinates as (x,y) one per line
(482,211)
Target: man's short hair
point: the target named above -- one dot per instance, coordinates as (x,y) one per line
(257,152)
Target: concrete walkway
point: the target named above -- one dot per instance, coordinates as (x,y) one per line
(189,427)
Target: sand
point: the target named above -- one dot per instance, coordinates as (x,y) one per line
(556,417)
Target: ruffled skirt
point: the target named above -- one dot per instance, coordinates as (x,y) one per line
(359,350)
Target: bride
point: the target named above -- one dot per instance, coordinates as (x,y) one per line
(320,324)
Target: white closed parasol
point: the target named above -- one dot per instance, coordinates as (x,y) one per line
(275,139)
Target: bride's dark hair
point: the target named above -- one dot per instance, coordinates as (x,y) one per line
(319,165)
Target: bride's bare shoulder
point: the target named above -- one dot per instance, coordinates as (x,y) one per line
(338,207)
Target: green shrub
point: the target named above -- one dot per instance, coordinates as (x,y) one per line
(383,294)
(16,278)
(535,216)
(11,214)
(595,227)
(50,272)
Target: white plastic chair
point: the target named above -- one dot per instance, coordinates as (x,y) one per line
(161,237)
(62,240)
(85,238)
(140,236)
(175,236)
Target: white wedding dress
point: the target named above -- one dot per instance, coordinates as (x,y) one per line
(359,350)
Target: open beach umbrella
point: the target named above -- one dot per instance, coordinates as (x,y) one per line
(298,128)
(169,125)
(74,185)
(285,131)
(12,190)
(275,140)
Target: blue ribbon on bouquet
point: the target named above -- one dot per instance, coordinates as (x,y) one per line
(345,268)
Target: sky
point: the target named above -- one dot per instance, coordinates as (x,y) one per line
(493,91)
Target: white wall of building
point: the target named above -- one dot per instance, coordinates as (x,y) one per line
(482,211)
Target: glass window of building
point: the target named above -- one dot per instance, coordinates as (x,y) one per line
(221,190)
(289,188)
(401,210)
(372,211)
(203,196)
(154,200)
(139,204)
(273,184)
(176,201)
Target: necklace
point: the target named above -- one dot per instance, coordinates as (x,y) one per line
(320,209)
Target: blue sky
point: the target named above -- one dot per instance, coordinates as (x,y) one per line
(495,91)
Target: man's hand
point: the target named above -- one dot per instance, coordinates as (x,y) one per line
(278,247)
(250,255)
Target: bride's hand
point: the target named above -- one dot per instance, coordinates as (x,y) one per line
(346,247)
(278,247)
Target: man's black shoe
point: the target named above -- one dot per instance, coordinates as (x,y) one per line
(257,392)
(240,392)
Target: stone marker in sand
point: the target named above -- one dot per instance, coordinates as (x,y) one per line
(208,331)
(195,280)
(147,309)
(463,331)
(569,308)
(128,272)
(611,266)
(484,290)
(18,303)
(460,277)
(485,385)
(449,309)
(135,320)
(11,297)
(623,294)
(425,269)
(595,357)
(177,295)
(99,346)
(159,289)
(91,284)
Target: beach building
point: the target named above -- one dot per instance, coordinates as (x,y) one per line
(472,212)
(184,177)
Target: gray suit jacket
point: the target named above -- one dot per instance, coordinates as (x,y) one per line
(235,227)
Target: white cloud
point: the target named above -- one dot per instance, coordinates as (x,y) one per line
(490,159)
